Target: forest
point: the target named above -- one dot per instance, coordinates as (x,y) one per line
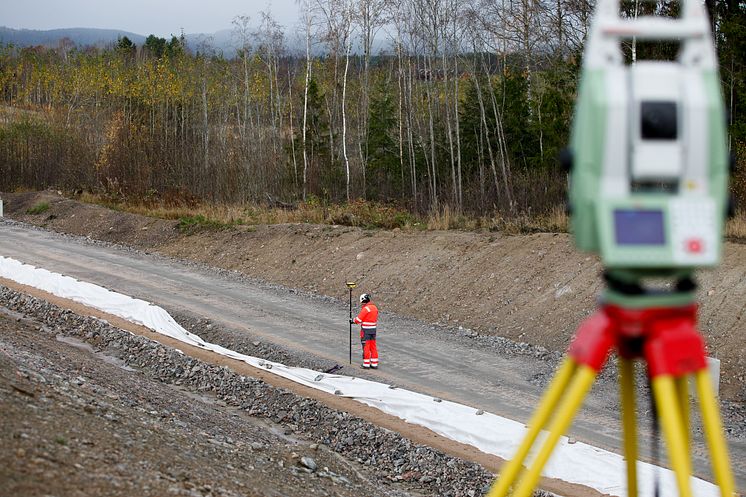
(423,104)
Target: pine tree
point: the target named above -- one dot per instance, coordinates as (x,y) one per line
(384,168)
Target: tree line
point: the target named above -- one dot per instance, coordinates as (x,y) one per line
(465,108)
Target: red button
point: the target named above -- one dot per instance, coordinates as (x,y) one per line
(694,245)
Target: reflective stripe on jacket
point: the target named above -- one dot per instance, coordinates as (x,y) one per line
(368,317)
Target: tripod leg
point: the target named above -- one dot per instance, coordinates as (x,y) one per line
(578,389)
(714,433)
(629,421)
(682,391)
(551,397)
(667,403)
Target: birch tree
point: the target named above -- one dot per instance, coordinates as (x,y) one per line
(339,22)
(308,19)
(370,16)
(243,35)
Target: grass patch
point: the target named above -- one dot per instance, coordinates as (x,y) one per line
(735,228)
(372,215)
(369,215)
(555,221)
(361,214)
(194,217)
(194,224)
(39,208)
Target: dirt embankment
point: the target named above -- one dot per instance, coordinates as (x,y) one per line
(534,288)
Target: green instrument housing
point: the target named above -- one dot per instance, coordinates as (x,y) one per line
(649,179)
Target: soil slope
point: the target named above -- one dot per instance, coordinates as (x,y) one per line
(534,288)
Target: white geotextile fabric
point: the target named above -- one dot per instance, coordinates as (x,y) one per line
(572,462)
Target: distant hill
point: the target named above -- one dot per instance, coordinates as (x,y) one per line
(221,42)
(51,38)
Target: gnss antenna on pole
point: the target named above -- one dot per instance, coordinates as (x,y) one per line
(351,285)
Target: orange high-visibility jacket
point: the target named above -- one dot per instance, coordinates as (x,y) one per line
(368,317)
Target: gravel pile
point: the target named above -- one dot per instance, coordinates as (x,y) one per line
(386,453)
(79,422)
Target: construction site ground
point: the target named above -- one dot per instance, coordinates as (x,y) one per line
(532,290)
(529,288)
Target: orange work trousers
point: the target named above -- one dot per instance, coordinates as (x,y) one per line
(370,350)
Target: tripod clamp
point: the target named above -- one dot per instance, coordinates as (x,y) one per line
(631,286)
(665,338)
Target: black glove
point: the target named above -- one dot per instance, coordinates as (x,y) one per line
(352,321)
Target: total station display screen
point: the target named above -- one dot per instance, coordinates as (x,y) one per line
(639,227)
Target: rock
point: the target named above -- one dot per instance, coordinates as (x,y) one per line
(308,462)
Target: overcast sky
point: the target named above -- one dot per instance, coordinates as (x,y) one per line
(159,17)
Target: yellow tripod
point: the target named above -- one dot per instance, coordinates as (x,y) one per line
(666,338)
